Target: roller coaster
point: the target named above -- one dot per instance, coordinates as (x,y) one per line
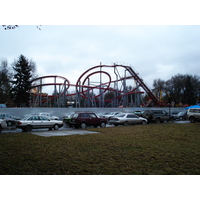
(100,86)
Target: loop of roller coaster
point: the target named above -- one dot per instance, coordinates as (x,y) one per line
(116,83)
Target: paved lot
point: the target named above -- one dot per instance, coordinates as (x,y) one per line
(46,133)
(63,131)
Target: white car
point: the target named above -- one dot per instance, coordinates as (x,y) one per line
(49,116)
(127,119)
(38,122)
(3,125)
(193,114)
(110,114)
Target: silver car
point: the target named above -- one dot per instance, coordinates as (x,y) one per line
(38,122)
(50,116)
(193,115)
(110,114)
(127,119)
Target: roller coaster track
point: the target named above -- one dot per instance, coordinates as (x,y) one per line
(141,83)
(84,86)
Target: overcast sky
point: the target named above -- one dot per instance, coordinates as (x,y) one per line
(159,39)
(154,51)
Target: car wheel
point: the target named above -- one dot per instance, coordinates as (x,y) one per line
(158,120)
(0,129)
(144,122)
(56,127)
(83,125)
(29,128)
(192,120)
(126,123)
(116,124)
(103,124)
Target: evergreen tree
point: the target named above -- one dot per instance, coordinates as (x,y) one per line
(23,74)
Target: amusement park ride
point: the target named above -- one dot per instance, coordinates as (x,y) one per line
(91,88)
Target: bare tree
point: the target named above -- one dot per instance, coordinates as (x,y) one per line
(159,87)
(5,77)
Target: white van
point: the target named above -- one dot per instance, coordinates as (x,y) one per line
(193,114)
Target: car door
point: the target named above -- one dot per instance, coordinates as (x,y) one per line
(36,122)
(94,120)
(33,121)
(197,114)
(46,122)
(85,117)
(134,119)
(129,118)
(165,116)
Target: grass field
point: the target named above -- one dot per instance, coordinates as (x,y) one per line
(155,149)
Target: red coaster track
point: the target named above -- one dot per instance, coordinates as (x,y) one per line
(91,88)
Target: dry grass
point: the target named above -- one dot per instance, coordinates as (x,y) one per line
(150,149)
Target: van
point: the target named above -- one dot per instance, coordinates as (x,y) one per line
(193,114)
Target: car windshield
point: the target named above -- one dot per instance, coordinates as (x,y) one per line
(181,113)
(75,115)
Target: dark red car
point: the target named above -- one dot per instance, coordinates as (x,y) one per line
(84,119)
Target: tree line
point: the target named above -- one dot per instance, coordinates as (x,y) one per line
(179,90)
(15,83)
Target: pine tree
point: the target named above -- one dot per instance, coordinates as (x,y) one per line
(23,72)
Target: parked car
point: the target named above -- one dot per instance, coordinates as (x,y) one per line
(110,114)
(157,116)
(3,124)
(193,114)
(175,115)
(67,119)
(138,113)
(84,119)
(182,115)
(127,119)
(10,120)
(46,114)
(38,122)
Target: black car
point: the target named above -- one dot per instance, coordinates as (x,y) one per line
(157,116)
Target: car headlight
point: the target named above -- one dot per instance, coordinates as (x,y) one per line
(3,122)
